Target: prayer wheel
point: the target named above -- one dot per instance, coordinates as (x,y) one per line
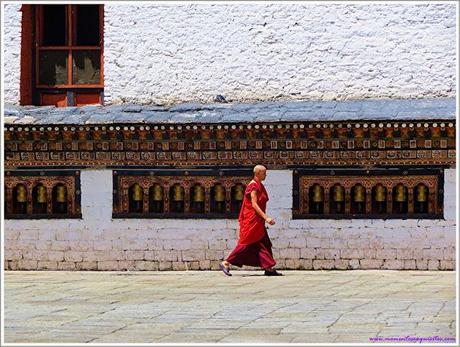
(380,193)
(239,192)
(198,198)
(137,194)
(136,198)
(338,198)
(41,194)
(219,198)
(400,195)
(359,197)
(60,199)
(421,193)
(380,197)
(20,204)
(21,193)
(400,198)
(156,198)
(39,205)
(317,198)
(421,199)
(177,199)
(237,197)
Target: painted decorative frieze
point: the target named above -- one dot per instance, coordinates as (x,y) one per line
(277,145)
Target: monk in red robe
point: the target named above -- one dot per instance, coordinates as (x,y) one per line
(254,247)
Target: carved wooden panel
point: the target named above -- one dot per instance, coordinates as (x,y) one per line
(34,194)
(203,193)
(276,145)
(378,193)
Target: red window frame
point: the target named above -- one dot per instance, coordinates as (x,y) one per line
(71,20)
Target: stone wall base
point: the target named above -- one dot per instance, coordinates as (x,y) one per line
(283,264)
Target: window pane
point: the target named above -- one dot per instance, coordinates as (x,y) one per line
(87,26)
(54,25)
(86,67)
(53,67)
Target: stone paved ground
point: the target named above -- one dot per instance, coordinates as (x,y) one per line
(194,306)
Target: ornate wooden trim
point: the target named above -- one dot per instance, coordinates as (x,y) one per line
(124,180)
(306,181)
(49,179)
(280,145)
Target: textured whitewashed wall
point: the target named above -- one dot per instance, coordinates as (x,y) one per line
(180,52)
(98,242)
(11,40)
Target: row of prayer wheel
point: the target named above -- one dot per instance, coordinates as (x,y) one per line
(177,198)
(380,199)
(42,202)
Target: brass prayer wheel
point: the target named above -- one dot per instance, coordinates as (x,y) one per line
(41,194)
(317,193)
(198,193)
(421,193)
(60,199)
(379,193)
(178,192)
(338,193)
(21,193)
(137,192)
(219,193)
(359,193)
(61,194)
(400,195)
(157,192)
(239,192)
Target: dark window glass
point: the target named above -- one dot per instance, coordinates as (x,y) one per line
(87,26)
(86,67)
(54,25)
(53,67)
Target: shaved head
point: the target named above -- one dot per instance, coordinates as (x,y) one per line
(260,172)
(259,168)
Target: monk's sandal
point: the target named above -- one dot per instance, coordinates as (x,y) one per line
(273,273)
(225,269)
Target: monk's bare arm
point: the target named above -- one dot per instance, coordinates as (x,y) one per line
(258,209)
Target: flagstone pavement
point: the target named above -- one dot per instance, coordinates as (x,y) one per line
(208,307)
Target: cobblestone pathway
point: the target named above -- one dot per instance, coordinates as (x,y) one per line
(206,306)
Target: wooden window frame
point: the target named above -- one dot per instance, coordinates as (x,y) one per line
(71,20)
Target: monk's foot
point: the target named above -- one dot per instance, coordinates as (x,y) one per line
(272,272)
(225,269)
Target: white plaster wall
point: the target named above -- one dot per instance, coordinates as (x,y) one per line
(169,53)
(259,51)
(11,39)
(99,243)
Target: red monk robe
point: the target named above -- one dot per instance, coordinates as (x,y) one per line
(254,247)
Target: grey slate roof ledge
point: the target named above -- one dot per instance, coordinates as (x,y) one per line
(277,111)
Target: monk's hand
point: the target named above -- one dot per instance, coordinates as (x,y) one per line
(270,221)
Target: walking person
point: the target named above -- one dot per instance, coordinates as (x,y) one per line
(254,247)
